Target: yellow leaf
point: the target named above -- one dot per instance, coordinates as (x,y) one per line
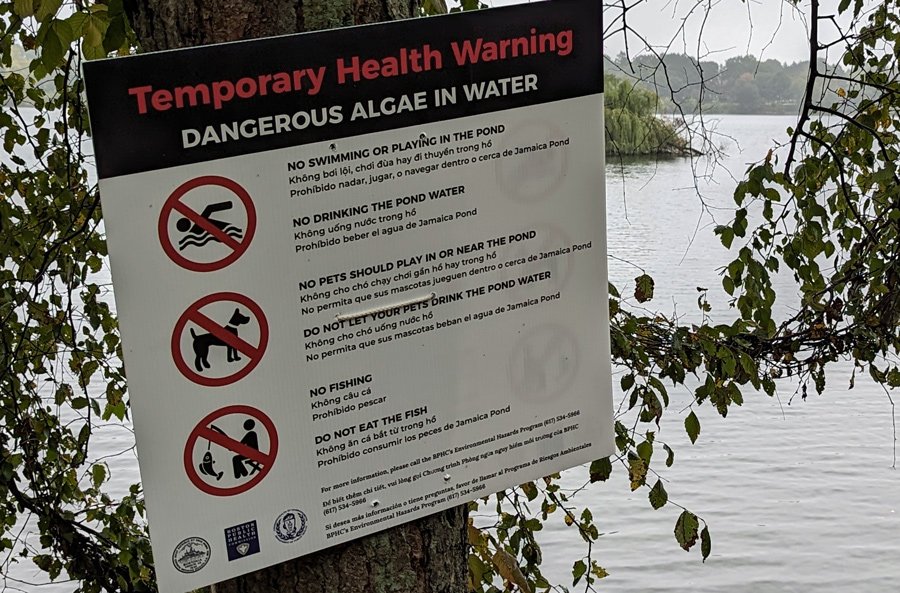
(509,569)
(637,472)
(477,538)
(841,93)
(598,571)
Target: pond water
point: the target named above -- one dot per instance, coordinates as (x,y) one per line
(799,496)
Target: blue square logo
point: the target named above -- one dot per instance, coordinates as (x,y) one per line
(242,540)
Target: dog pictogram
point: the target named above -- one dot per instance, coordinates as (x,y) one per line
(219,339)
(203,342)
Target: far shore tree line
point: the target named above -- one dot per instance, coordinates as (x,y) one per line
(741,85)
(641,88)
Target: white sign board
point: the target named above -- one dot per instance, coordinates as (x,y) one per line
(360,274)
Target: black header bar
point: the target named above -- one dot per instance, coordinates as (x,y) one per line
(159,110)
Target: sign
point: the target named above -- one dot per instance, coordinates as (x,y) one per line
(360,274)
(215,329)
(200,237)
(247,459)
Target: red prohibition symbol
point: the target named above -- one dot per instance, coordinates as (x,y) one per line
(249,462)
(209,238)
(207,341)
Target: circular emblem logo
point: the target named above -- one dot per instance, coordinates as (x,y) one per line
(191,554)
(290,526)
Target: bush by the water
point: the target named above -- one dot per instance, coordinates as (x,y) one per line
(632,124)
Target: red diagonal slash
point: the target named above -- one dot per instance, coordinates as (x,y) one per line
(229,443)
(175,204)
(223,334)
(204,431)
(205,224)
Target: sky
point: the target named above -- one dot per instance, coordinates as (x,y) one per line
(769,28)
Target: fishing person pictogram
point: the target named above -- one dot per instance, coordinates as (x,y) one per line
(243,434)
(239,462)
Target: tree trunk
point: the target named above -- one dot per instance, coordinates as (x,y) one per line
(425,556)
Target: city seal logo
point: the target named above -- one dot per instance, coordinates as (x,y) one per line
(191,555)
(290,526)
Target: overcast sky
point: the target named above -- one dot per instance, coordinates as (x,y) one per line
(771,28)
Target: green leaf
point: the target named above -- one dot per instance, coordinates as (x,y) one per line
(692,426)
(645,451)
(431,7)
(76,20)
(728,285)
(93,34)
(658,495)
(477,568)
(670,455)
(600,470)
(530,490)
(63,393)
(727,236)
(47,8)
(63,30)
(23,8)
(643,288)
(578,570)
(686,530)
(52,49)
(705,543)
(98,474)
(660,388)
(115,34)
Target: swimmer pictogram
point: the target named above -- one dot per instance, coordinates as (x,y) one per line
(207,223)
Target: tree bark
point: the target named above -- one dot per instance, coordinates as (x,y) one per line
(425,556)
